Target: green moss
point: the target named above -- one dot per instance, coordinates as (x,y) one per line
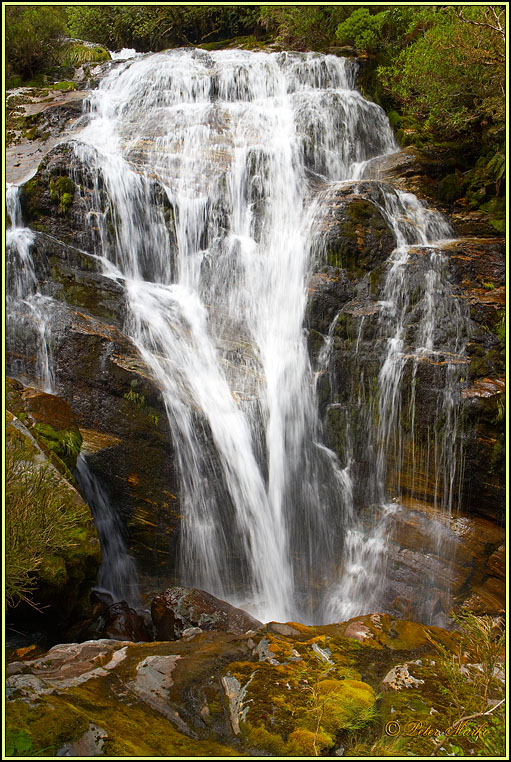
(65,85)
(500,328)
(31,197)
(77,54)
(394,120)
(49,724)
(53,571)
(62,191)
(450,188)
(65,444)
(65,201)
(305,743)
(360,238)
(496,210)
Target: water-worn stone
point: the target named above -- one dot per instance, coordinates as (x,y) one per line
(124,623)
(90,744)
(358,631)
(179,608)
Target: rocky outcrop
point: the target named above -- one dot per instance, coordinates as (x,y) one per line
(99,371)
(179,608)
(346,326)
(58,198)
(285,690)
(53,551)
(433,179)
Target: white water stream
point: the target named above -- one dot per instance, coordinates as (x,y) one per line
(216,278)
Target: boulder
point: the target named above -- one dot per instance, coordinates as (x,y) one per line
(354,233)
(124,623)
(179,608)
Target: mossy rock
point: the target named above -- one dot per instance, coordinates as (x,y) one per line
(77,54)
(362,238)
(51,421)
(283,690)
(65,444)
(63,567)
(282,699)
(62,191)
(450,188)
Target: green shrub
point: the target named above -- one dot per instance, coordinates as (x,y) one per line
(33,35)
(39,520)
(362,29)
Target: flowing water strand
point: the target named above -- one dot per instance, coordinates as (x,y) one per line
(117,573)
(414,226)
(29,317)
(217,290)
(27,310)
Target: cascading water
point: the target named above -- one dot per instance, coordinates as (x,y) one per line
(235,146)
(416,229)
(26,308)
(218,301)
(117,573)
(29,313)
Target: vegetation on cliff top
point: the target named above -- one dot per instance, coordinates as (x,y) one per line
(439,71)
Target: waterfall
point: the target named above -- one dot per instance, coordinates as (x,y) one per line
(27,310)
(117,573)
(205,175)
(29,313)
(416,229)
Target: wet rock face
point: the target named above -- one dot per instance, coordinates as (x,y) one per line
(58,198)
(74,277)
(346,304)
(355,234)
(98,369)
(179,608)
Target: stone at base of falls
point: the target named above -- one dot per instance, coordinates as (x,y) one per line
(123,623)
(115,621)
(212,695)
(179,608)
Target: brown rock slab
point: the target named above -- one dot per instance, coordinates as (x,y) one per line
(179,608)
(496,564)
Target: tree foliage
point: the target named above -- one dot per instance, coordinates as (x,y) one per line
(451,77)
(304,27)
(362,29)
(32,37)
(155,27)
